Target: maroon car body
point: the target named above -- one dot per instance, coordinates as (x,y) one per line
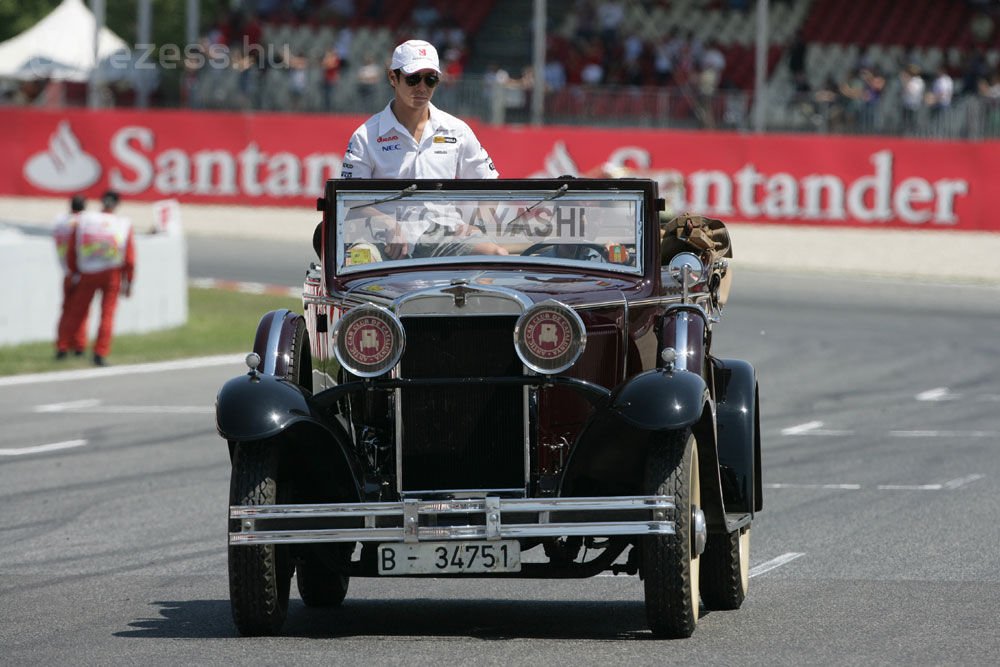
(494,378)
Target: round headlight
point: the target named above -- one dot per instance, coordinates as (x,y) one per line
(549,337)
(368,340)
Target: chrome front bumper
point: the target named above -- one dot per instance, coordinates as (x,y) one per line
(416,520)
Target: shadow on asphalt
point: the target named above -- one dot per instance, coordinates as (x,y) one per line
(482,619)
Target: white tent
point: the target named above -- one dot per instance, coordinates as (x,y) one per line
(60,46)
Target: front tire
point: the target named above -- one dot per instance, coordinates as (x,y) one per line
(260,576)
(670,566)
(727,570)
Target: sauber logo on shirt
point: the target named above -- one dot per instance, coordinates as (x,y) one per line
(445,140)
(394,147)
(383,140)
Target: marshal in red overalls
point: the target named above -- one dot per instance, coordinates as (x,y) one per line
(101,257)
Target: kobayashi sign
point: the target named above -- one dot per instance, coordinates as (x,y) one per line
(280,159)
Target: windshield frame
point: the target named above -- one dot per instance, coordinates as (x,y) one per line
(342,195)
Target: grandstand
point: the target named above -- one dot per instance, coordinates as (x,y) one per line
(607,61)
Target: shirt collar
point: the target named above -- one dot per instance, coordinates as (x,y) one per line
(388,122)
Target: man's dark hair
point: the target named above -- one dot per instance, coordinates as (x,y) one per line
(110,199)
(77,203)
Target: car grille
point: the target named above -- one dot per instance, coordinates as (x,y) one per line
(465,437)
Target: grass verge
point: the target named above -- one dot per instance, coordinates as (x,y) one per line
(219,322)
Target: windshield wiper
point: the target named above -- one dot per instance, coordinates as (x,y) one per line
(558,192)
(405,192)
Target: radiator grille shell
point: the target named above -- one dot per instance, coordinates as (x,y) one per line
(469,437)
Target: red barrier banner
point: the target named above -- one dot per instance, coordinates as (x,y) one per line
(284,159)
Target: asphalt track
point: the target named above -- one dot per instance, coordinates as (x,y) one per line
(877,544)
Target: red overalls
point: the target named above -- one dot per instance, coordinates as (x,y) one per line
(66,339)
(101,257)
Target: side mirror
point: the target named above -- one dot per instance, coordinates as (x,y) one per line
(686,263)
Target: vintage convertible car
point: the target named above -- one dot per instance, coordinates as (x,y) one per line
(504,378)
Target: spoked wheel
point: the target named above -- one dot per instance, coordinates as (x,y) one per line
(727,570)
(670,563)
(260,576)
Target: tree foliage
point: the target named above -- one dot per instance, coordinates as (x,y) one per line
(169,17)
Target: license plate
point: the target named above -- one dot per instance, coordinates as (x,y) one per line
(449,557)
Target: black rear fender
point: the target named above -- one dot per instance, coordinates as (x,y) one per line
(276,342)
(738,418)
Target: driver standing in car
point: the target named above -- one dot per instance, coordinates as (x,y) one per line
(412,138)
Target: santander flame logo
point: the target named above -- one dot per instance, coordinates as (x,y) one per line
(64,166)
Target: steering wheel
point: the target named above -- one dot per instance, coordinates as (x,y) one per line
(537,249)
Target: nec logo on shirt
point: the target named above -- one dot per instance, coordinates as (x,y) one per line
(383,140)
(394,147)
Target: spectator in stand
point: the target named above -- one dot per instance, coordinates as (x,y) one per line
(665,58)
(331,76)
(712,63)
(298,80)
(100,257)
(610,14)
(592,71)
(989,87)
(62,233)
(454,65)
(912,89)
(633,49)
(975,69)
(797,56)
(424,16)
(369,77)
(586,20)
(941,92)
(555,75)
(831,105)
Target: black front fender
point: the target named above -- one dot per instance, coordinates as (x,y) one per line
(256,407)
(660,400)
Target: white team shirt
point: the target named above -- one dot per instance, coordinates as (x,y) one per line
(383,148)
(62,232)
(101,241)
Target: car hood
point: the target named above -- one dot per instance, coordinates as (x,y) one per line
(570,288)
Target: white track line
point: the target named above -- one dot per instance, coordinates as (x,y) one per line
(774,563)
(944,434)
(950,484)
(93,406)
(937,394)
(845,487)
(85,374)
(37,449)
(811,428)
(68,406)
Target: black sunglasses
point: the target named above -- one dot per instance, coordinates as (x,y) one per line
(430,79)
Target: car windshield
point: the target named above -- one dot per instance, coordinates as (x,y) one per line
(590,230)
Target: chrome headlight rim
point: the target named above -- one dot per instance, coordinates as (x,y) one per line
(564,322)
(382,326)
